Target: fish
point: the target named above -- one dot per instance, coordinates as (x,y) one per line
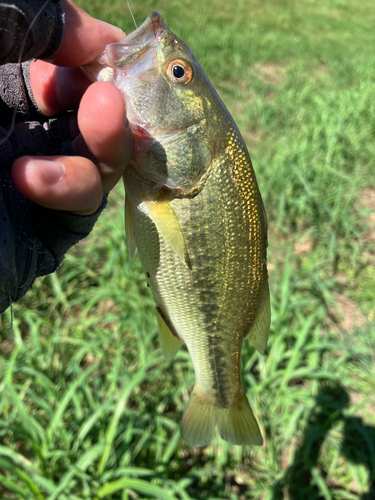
(194,214)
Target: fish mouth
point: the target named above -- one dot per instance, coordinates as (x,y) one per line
(134,48)
(154,23)
(125,53)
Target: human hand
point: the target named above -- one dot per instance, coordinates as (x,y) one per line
(102,138)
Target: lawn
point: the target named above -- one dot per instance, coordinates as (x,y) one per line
(89,409)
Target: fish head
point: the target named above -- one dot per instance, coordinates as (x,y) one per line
(171,106)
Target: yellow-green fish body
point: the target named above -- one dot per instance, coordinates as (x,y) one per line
(195,214)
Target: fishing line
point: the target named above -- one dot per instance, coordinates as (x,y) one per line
(132,14)
(11,319)
(13,120)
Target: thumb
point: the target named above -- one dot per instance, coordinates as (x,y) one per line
(68,183)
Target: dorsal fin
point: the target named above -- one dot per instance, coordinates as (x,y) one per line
(258,333)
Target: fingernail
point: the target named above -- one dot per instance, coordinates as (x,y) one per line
(50,172)
(114,29)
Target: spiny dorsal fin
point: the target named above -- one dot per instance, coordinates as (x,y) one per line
(258,333)
(129,227)
(167,223)
(169,343)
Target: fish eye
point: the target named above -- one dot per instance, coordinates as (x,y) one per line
(180,71)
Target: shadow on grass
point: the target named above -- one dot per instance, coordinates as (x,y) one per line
(304,478)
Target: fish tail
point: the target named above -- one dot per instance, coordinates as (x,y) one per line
(236,424)
(199,420)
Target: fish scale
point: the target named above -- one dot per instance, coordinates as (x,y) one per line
(195,214)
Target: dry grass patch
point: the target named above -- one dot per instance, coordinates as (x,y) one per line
(349,317)
(271,73)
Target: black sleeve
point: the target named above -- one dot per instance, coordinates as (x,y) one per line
(30,29)
(33,239)
(16,97)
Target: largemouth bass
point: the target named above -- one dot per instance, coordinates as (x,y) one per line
(195,214)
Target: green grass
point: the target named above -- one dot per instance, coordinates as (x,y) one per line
(88,407)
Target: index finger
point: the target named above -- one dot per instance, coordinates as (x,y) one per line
(84,37)
(56,89)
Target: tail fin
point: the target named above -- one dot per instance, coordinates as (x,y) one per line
(199,420)
(236,424)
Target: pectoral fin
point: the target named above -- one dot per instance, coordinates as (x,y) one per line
(167,223)
(258,333)
(129,228)
(169,343)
